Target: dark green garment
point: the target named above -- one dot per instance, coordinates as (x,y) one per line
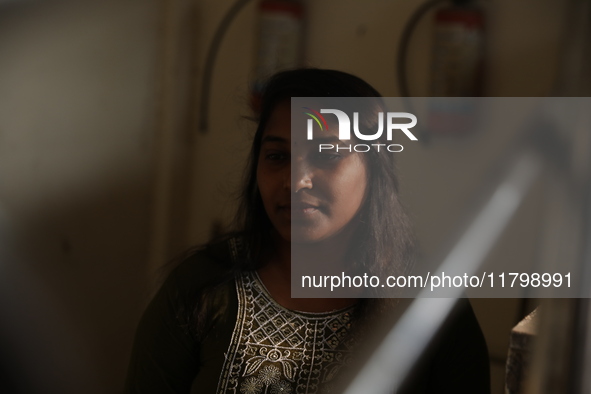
(168,358)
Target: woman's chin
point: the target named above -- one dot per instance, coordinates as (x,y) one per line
(298,236)
(305,236)
(296,239)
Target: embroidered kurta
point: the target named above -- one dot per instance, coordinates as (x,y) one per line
(276,350)
(256,346)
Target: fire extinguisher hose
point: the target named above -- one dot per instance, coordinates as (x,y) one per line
(405,37)
(210,61)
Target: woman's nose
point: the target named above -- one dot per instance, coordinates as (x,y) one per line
(301,175)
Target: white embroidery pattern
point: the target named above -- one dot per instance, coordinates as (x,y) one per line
(277,351)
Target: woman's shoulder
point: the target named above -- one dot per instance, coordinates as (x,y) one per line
(208,263)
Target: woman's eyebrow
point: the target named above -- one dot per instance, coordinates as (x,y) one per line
(274,138)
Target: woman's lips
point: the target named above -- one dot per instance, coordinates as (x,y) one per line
(300,210)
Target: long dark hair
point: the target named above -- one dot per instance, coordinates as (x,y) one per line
(384,233)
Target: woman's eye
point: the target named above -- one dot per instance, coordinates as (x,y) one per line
(328,156)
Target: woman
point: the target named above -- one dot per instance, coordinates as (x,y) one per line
(224,321)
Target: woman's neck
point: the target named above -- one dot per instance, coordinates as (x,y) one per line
(276,275)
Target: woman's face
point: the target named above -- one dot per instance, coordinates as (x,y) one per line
(309,196)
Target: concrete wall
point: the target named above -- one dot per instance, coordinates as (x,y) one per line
(522,61)
(104,174)
(77,125)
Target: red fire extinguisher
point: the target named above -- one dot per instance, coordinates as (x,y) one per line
(456,69)
(458,51)
(457,65)
(280,42)
(281,32)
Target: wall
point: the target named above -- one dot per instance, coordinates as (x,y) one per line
(103,172)
(77,125)
(522,61)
